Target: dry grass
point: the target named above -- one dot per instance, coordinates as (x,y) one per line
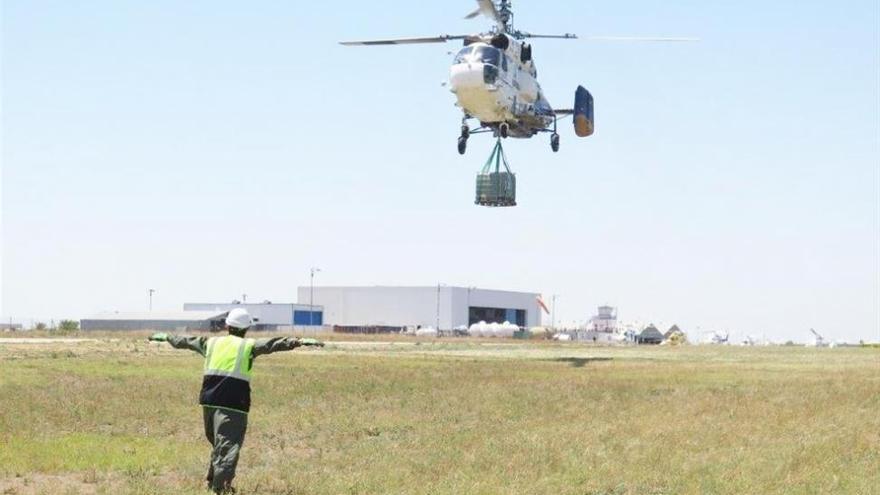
(452,417)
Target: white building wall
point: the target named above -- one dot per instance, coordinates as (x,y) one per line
(412,306)
(458,314)
(385,306)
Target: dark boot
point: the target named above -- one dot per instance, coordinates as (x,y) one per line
(225,490)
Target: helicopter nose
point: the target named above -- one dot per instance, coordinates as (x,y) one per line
(466,76)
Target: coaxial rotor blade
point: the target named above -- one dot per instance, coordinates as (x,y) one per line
(407,41)
(566,36)
(488,9)
(569,36)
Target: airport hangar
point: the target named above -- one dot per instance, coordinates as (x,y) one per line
(427,306)
(346,308)
(168,321)
(208,316)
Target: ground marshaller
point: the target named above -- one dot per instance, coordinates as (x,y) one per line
(226,390)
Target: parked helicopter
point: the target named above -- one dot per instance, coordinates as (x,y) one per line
(495,81)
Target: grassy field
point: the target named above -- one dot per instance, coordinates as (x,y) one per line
(455,417)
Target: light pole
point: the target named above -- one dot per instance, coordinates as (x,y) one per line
(151,291)
(312,272)
(438,307)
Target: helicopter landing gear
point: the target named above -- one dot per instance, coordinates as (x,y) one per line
(463,137)
(504,130)
(554,137)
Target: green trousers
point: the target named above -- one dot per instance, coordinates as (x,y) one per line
(225,430)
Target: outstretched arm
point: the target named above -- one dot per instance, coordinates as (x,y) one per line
(195,344)
(279,344)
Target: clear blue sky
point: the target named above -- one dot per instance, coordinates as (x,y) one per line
(211,148)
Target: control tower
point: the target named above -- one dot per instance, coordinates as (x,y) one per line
(606,320)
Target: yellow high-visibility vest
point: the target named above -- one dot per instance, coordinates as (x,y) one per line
(229,356)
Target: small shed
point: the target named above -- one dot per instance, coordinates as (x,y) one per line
(167,321)
(649,335)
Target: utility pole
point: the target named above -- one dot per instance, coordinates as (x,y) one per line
(312,272)
(151,291)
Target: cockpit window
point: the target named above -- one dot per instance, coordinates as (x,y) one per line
(479,54)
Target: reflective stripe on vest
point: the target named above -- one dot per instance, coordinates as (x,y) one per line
(229,356)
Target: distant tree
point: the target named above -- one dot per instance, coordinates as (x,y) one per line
(40,326)
(68,326)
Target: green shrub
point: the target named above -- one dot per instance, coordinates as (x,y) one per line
(68,326)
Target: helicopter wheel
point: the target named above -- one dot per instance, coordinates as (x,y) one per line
(462,145)
(504,130)
(465,132)
(554,142)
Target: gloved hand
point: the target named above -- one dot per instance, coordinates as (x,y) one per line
(159,337)
(311,342)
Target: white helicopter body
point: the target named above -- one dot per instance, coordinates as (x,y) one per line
(495,86)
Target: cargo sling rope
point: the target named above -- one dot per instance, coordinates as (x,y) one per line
(496,188)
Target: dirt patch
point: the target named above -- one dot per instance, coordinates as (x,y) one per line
(36,483)
(93,482)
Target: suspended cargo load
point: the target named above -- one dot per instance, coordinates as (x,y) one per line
(496,188)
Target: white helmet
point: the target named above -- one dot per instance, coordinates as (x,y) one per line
(239,318)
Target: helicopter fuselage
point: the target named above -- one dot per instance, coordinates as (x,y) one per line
(494,80)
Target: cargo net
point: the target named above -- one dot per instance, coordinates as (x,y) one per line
(494,187)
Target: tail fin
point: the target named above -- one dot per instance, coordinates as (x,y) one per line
(583,112)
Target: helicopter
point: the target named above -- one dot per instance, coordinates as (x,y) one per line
(495,82)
